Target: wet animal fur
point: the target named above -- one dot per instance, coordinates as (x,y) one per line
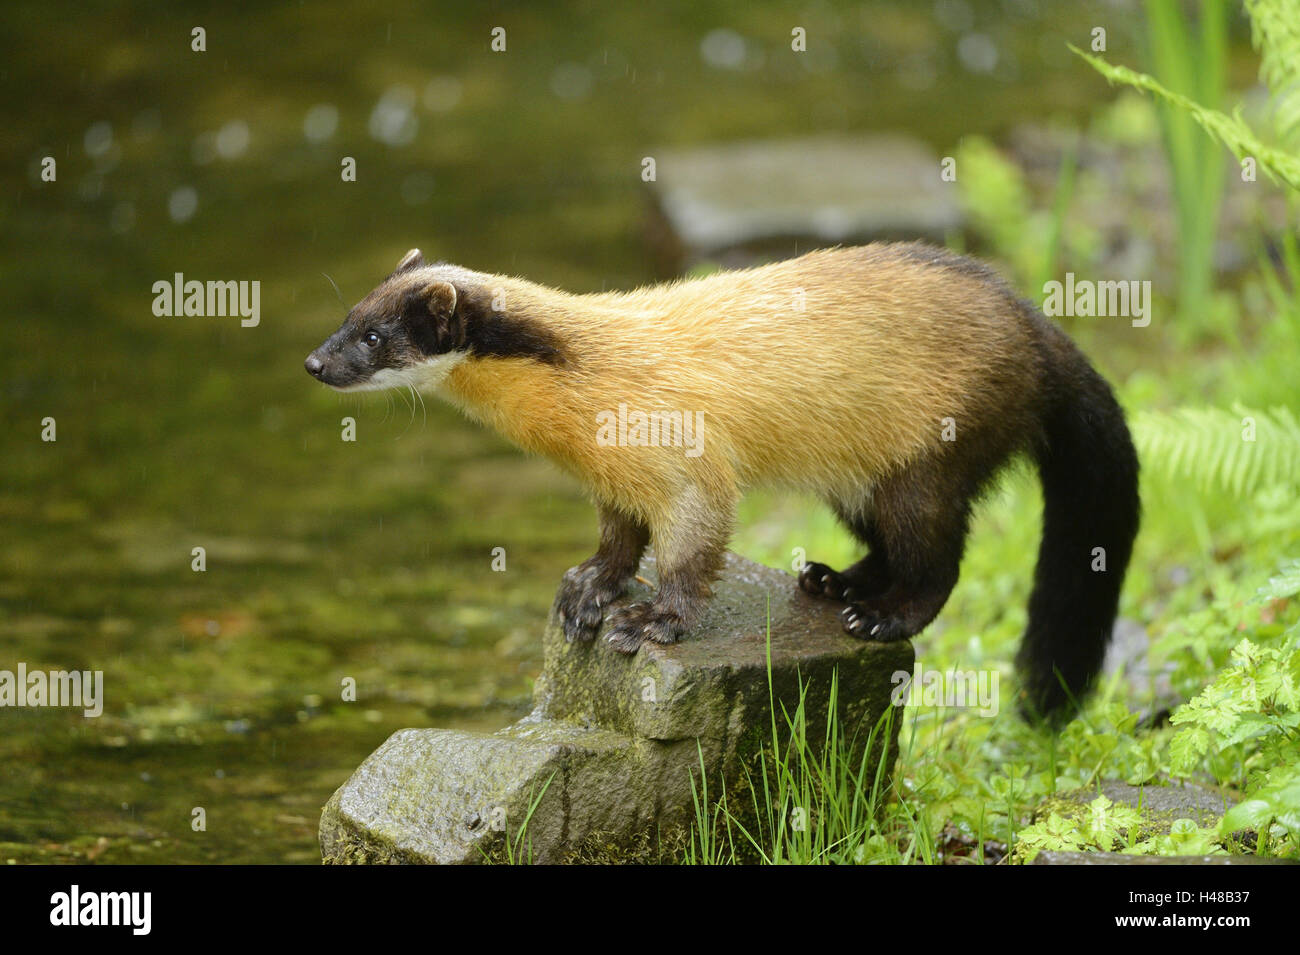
(832,373)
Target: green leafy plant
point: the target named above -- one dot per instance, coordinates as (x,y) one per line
(1105,826)
(1256,700)
(1272,811)
(1240,451)
(1245,728)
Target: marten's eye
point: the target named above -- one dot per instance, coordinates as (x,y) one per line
(370,339)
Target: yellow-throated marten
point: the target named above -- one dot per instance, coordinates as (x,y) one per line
(892,380)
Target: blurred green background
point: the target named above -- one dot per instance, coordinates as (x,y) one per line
(326,559)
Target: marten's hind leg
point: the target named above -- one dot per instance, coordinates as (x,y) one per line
(869,577)
(922,520)
(591,586)
(690,544)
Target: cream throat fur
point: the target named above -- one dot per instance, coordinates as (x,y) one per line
(428,375)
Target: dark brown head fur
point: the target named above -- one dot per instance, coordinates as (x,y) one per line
(419,314)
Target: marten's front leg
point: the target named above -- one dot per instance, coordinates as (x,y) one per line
(591,586)
(689,549)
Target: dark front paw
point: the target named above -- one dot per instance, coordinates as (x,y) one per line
(641,622)
(866,624)
(581,602)
(820,581)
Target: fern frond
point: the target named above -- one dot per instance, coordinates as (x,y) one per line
(1275,33)
(1213,447)
(1232,131)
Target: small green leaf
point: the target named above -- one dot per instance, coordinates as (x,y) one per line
(1251,814)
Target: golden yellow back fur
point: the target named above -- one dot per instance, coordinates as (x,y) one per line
(818,373)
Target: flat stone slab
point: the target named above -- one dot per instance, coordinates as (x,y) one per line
(604,767)
(826,189)
(1161,806)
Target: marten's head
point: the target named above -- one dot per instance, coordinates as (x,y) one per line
(420,323)
(407,331)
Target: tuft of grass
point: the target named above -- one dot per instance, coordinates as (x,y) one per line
(519,849)
(812,801)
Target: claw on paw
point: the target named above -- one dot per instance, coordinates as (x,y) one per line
(866,624)
(641,622)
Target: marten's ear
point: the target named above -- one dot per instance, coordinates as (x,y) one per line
(440,298)
(436,326)
(411,260)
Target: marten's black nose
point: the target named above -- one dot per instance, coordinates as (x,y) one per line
(314,366)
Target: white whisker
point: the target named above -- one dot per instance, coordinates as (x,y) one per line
(408,401)
(424,411)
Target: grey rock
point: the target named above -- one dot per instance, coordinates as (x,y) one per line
(826,190)
(607,765)
(1161,806)
(714,683)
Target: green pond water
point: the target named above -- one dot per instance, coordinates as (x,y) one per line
(329,560)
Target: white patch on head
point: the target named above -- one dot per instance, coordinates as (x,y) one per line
(427,375)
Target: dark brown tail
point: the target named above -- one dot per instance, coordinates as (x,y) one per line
(1089,471)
